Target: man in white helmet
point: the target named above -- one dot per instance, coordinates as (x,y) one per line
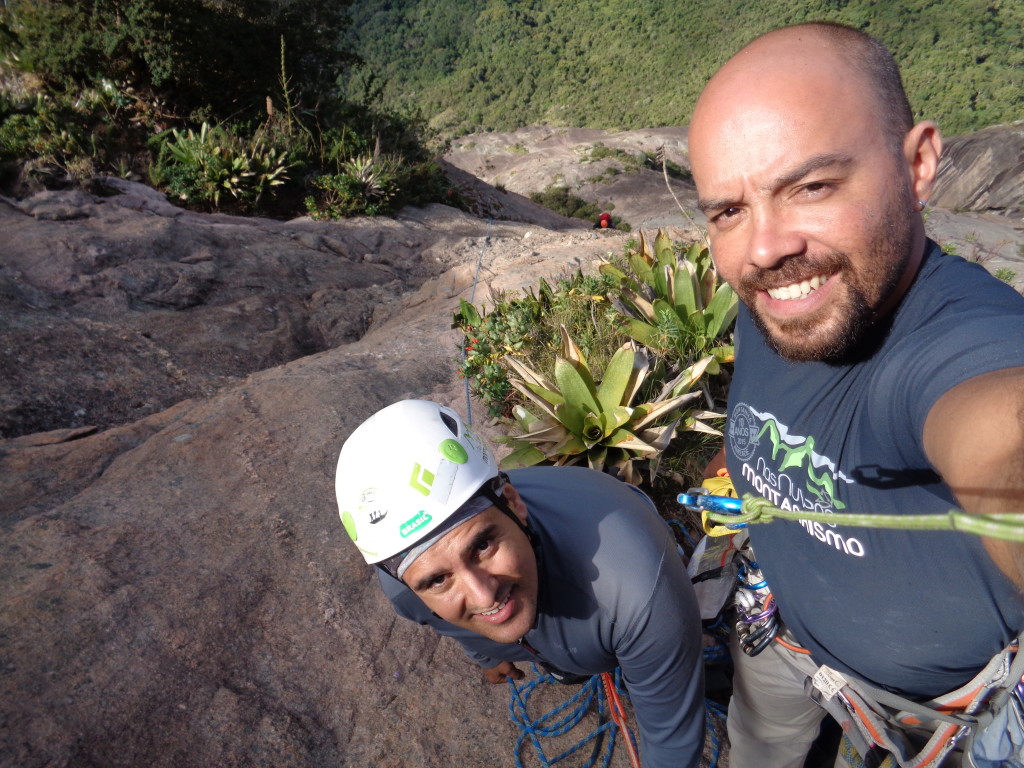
(562,566)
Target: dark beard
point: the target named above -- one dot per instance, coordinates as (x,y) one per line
(856,317)
(890,252)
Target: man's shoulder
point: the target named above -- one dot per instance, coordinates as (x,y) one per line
(949,283)
(583,515)
(569,491)
(955,308)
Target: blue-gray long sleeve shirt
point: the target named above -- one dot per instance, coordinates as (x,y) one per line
(613,593)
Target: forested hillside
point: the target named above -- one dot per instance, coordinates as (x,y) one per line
(500,64)
(229,105)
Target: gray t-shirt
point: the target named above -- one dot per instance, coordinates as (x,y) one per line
(915,612)
(613,593)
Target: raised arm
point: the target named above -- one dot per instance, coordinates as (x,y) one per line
(974,436)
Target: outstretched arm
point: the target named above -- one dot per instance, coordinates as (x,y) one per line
(974,436)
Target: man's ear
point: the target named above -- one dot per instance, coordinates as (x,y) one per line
(922,149)
(515,502)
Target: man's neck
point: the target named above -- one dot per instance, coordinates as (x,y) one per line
(907,278)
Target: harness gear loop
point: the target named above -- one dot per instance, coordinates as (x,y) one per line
(874,718)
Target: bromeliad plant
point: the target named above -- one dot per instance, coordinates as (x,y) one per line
(674,303)
(575,419)
(200,167)
(364,184)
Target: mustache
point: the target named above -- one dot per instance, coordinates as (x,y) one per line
(794,270)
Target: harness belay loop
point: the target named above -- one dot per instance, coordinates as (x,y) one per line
(985,713)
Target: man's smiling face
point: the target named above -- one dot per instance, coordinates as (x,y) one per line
(809,203)
(482,575)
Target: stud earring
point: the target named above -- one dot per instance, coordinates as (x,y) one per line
(921,204)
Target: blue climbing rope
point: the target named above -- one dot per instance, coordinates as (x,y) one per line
(567,715)
(681,529)
(714,716)
(561,720)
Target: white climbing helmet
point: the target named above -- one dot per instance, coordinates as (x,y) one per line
(403,472)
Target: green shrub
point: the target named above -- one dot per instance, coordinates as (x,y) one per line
(560,200)
(604,420)
(43,130)
(426,182)
(533,353)
(630,161)
(364,185)
(1005,274)
(211,54)
(673,301)
(69,136)
(198,168)
(508,328)
(529,325)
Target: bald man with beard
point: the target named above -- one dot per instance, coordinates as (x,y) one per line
(874,374)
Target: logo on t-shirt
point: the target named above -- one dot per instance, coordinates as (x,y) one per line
(786,470)
(744,427)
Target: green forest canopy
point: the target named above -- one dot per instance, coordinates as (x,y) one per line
(475,65)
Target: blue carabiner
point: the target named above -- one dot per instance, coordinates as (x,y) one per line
(705,501)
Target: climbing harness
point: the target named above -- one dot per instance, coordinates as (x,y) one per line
(881,728)
(920,734)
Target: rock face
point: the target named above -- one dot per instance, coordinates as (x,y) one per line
(177,590)
(149,304)
(607,169)
(981,177)
(983,171)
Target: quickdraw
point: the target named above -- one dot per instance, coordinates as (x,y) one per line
(757,615)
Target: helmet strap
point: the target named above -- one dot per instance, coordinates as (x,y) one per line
(388,565)
(502,503)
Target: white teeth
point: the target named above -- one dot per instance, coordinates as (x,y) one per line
(491,613)
(797,290)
